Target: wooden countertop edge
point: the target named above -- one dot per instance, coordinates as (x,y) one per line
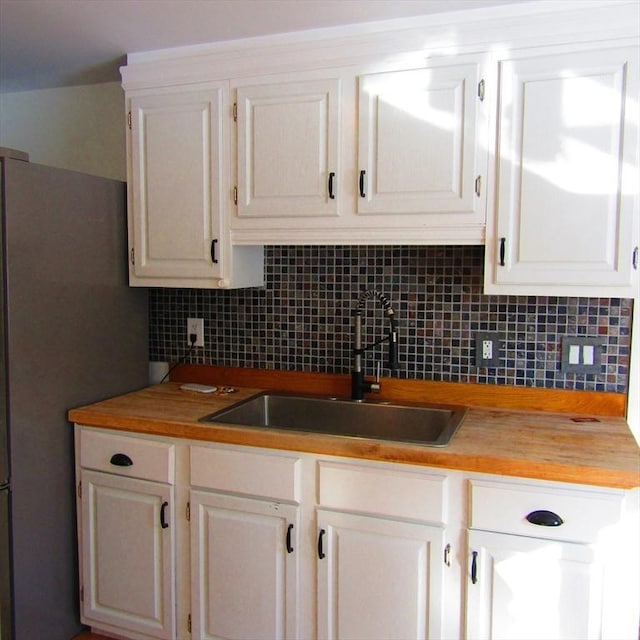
(362,448)
(469,394)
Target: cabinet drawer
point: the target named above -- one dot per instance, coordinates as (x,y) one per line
(150,460)
(504,508)
(255,474)
(386,492)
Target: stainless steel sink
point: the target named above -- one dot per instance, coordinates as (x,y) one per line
(433,425)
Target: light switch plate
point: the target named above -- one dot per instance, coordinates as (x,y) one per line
(487,349)
(581,354)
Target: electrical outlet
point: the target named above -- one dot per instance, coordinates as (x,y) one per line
(195,326)
(487,349)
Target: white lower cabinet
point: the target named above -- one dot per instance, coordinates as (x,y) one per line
(127,539)
(245,550)
(194,540)
(244,568)
(532,589)
(378,578)
(540,557)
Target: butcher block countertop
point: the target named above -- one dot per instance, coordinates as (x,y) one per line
(531,444)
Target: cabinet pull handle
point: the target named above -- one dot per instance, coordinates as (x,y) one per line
(321,553)
(544,518)
(289,547)
(362,193)
(447,555)
(121,460)
(634,259)
(214,259)
(332,176)
(163,522)
(474,567)
(481,90)
(502,250)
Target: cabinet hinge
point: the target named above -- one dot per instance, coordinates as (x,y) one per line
(235,112)
(481,90)
(129,119)
(188,512)
(235,195)
(478,185)
(189,623)
(80,490)
(132,256)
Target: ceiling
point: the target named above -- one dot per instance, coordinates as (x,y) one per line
(54,43)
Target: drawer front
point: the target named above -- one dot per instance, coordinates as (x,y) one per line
(385,492)
(150,460)
(267,476)
(505,508)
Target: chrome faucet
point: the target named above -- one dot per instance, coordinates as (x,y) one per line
(359,384)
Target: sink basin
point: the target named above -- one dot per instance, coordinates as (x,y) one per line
(432,425)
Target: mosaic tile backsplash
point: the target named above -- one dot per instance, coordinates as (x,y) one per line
(301,319)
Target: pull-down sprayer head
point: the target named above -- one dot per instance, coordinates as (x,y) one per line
(392,337)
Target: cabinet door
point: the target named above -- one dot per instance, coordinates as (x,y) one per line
(378,578)
(244,568)
(567,175)
(127,554)
(522,588)
(177,167)
(288,149)
(419,141)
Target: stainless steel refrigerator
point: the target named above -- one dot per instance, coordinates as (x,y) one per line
(73,333)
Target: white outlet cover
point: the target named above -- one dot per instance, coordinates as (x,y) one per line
(195,325)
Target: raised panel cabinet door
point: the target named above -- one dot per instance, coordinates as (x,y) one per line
(567,172)
(288,137)
(244,568)
(521,588)
(378,578)
(177,158)
(419,142)
(128,567)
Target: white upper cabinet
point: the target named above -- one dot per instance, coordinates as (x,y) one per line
(516,128)
(178,172)
(567,174)
(418,142)
(288,137)
(318,153)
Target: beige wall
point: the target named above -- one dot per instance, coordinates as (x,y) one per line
(80,128)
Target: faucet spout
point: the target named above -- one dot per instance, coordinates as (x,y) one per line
(359,384)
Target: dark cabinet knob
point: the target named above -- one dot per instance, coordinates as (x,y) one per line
(321,553)
(289,545)
(544,518)
(474,567)
(332,177)
(121,460)
(163,520)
